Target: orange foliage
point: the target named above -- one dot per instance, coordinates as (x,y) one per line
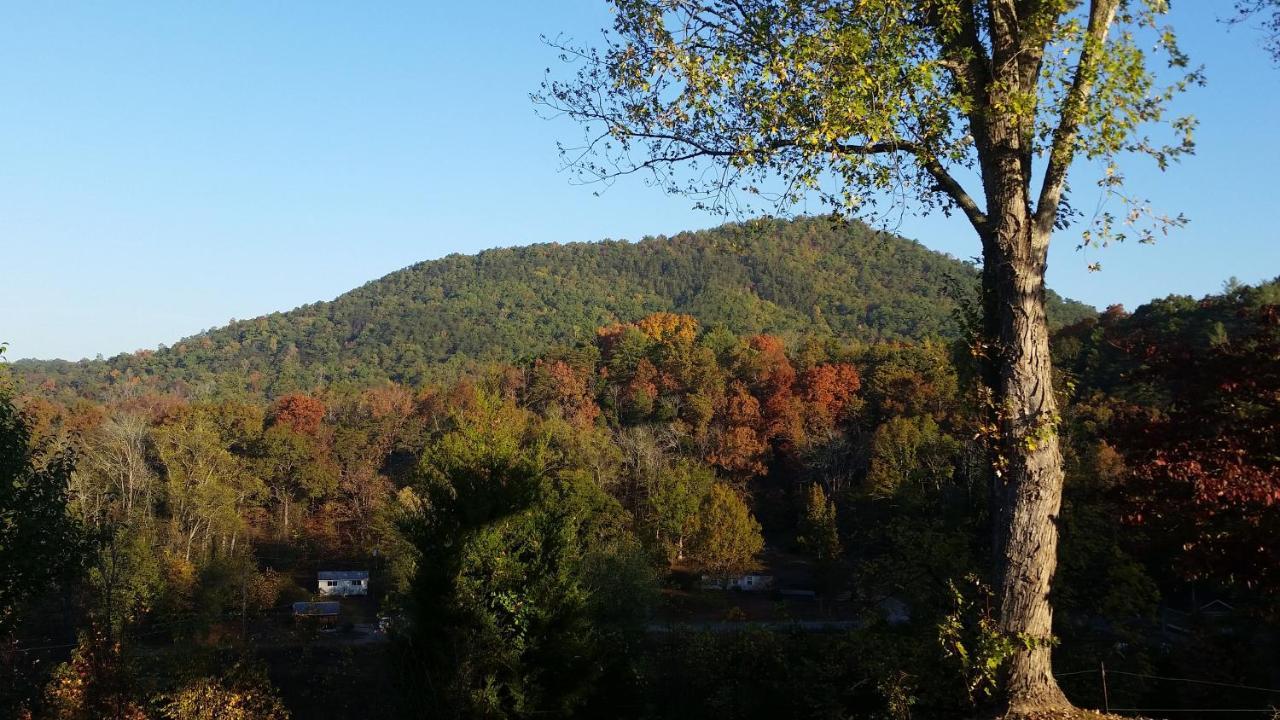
(559,383)
(773,371)
(91,684)
(388,400)
(463,396)
(830,393)
(741,446)
(159,408)
(774,380)
(642,391)
(301,413)
(607,337)
(47,420)
(511,382)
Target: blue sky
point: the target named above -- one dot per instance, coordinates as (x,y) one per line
(165,167)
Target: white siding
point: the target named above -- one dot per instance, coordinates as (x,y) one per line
(344,587)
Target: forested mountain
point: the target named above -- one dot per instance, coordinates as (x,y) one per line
(529,525)
(811,275)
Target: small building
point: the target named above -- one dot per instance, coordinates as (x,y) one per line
(343,582)
(323,613)
(894,611)
(750,582)
(1216,610)
(1215,614)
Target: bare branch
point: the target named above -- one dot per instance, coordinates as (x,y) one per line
(947,184)
(957,193)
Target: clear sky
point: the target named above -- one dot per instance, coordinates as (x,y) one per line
(165,167)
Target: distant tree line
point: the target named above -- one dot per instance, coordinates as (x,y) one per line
(441,318)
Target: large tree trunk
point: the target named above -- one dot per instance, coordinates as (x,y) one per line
(1027,490)
(1028,463)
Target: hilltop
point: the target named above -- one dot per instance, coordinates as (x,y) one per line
(804,276)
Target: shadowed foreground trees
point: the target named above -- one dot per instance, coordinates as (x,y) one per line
(905,100)
(526,579)
(41,547)
(39,543)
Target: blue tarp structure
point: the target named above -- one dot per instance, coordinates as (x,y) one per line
(315,609)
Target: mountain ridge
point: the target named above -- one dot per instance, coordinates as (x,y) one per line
(811,275)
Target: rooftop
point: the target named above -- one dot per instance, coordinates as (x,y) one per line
(343,575)
(315,608)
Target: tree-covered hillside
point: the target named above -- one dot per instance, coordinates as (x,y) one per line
(783,277)
(538,531)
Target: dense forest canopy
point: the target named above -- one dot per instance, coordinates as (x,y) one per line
(542,533)
(790,278)
(790,467)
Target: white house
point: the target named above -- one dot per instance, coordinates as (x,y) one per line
(750,582)
(343,582)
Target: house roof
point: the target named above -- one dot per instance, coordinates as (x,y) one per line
(343,575)
(315,608)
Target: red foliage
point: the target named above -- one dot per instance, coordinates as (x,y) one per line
(557,383)
(301,413)
(642,390)
(741,446)
(830,393)
(772,369)
(1207,471)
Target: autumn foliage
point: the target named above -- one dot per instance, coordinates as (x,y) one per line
(679,450)
(1209,464)
(301,413)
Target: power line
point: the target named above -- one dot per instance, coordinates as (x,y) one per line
(45,647)
(1077,672)
(1206,710)
(1198,682)
(1214,683)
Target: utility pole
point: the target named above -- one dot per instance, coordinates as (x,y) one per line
(1106,699)
(244,604)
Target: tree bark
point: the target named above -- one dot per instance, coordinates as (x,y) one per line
(1028,462)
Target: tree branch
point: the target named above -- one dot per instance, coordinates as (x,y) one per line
(1062,150)
(946,182)
(684,148)
(963,53)
(957,193)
